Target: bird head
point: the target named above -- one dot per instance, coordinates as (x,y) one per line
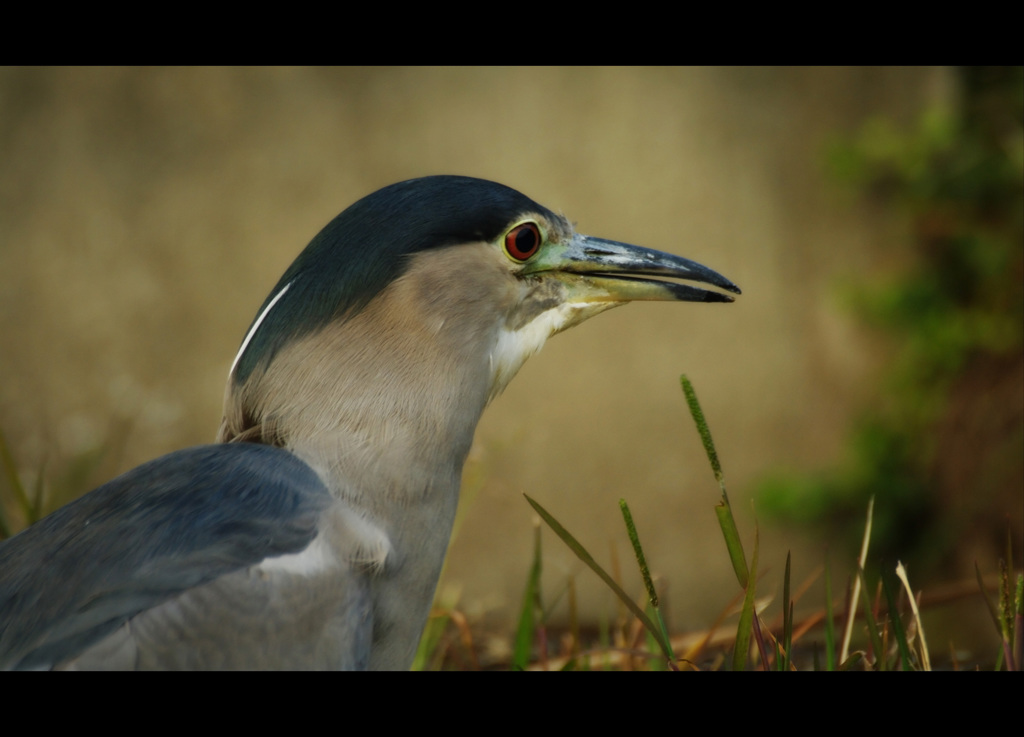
(438,277)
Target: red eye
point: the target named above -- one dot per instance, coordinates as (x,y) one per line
(523,241)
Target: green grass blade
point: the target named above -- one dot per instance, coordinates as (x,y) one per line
(1005,601)
(528,614)
(702,427)
(988,602)
(1006,614)
(733,543)
(830,628)
(652,644)
(1017,648)
(429,653)
(723,510)
(871,622)
(992,610)
(1006,587)
(429,641)
(789,640)
(638,551)
(897,625)
(744,630)
(787,618)
(588,559)
(652,593)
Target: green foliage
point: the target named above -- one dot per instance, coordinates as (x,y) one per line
(892,637)
(955,317)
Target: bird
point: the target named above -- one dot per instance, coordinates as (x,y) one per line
(312,533)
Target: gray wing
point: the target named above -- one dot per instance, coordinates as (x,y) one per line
(164,561)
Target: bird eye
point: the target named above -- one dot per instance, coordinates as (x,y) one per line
(522,241)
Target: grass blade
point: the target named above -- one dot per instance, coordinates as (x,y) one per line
(528,613)
(897,625)
(744,629)
(926,662)
(871,622)
(588,559)
(638,551)
(787,618)
(702,427)
(988,602)
(723,510)
(861,560)
(1018,623)
(430,654)
(652,593)
(732,541)
(830,629)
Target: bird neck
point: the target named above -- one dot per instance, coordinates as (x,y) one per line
(384,403)
(383,406)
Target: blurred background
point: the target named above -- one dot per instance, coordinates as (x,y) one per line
(872,217)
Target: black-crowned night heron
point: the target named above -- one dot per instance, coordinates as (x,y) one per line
(313,535)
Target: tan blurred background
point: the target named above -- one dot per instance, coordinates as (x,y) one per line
(145,214)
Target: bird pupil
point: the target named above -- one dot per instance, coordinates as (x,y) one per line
(524,241)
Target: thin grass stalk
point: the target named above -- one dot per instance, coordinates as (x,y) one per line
(870,621)
(652,592)
(723,510)
(744,629)
(762,646)
(1006,613)
(789,641)
(830,630)
(702,427)
(429,653)
(527,626)
(861,560)
(996,619)
(622,621)
(574,622)
(588,559)
(897,625)
(787,617)
(1018,623)
(926,661)
(466,636)
(1006,587)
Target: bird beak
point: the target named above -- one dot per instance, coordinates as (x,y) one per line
(597,270)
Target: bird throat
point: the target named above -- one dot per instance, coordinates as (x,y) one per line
(516,341)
